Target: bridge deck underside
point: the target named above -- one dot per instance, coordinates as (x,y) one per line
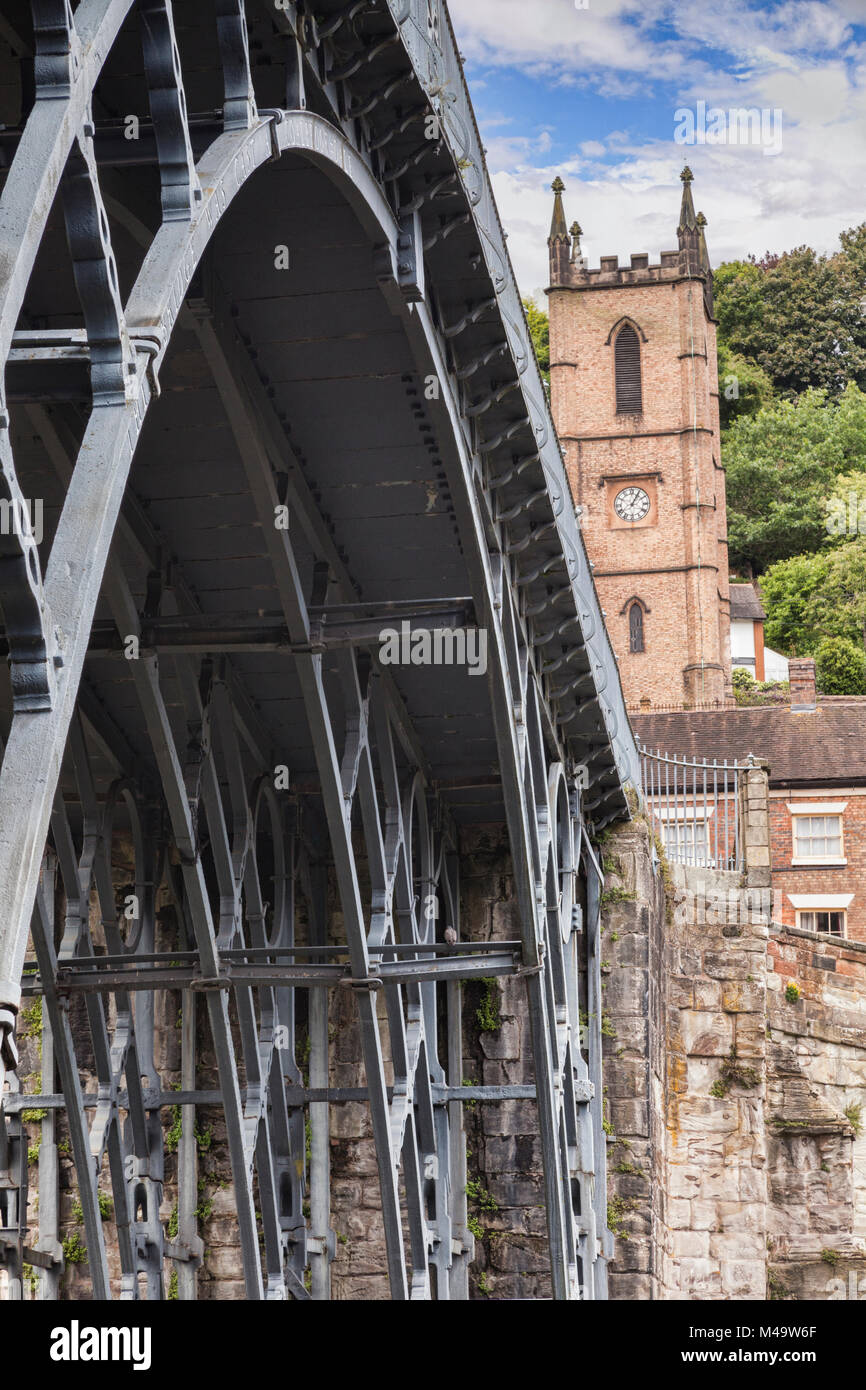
(334,446)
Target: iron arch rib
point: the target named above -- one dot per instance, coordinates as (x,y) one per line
(371,773)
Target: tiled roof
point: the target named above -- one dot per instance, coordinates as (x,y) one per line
(820,747)
(745,603)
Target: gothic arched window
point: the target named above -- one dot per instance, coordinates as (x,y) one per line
(635,628)
(629,399)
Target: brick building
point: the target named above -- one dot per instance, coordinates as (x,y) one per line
(634,391)
(817,760)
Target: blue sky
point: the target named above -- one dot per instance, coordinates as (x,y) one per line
(593,94)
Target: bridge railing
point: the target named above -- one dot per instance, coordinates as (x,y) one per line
(694,808)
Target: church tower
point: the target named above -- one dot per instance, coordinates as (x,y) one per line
(634,391)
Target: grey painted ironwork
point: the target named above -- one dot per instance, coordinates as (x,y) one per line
(192,781)
(695,807)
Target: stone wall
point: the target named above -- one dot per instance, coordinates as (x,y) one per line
(633,935)
(744,1174)
(737,1167)
(816,1021)
(687,1003)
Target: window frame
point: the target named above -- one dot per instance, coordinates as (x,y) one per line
(842,912)
(694,817)
(636,651)
(832,811)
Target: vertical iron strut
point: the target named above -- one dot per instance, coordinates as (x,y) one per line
(196,847)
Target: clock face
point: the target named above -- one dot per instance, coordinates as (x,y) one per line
(631,504)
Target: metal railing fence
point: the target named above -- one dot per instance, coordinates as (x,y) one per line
(694,808)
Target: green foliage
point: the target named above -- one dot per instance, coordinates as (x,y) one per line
(616,895)
(854,1115)
(480,1197)
(173,1135)
(539,331)
(732,1074)
(617,1209)
(743,679)
(470,1104)
(777,1290)
(173,1223)
(480,1201)
(830,1257)
(172,1294)
(175,1131)
(30,1277)
(32,1117)
(787,591)
(845,508)
(483,1284)
(810,598)
(840,604)
(33,1151)
(31,1018)
(487,1014)
(745,685)
(797,316)
(74,1250)
(204,1209)
(204,1139)
(747,691)
(841,667)
(744,387)
(792,993)
(782,465)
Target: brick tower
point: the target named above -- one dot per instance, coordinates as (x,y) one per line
(634,389)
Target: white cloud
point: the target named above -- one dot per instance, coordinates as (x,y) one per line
(625,190)
(552,38)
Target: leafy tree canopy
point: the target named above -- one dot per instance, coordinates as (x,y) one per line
(840,667)
(808,598)
(539,331)
(744,387)
(783,466)
(798,316)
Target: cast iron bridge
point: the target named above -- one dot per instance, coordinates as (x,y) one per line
(268,391)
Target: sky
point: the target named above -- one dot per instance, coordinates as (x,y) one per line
(614,96)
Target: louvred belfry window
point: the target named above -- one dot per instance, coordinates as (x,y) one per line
(627,366)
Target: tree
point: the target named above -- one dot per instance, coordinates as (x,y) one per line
(787,593)
(845,509)
(744,388)
(539,332)
(808,598)
(797,316)
(782,466)
(840,603)
(840,667)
